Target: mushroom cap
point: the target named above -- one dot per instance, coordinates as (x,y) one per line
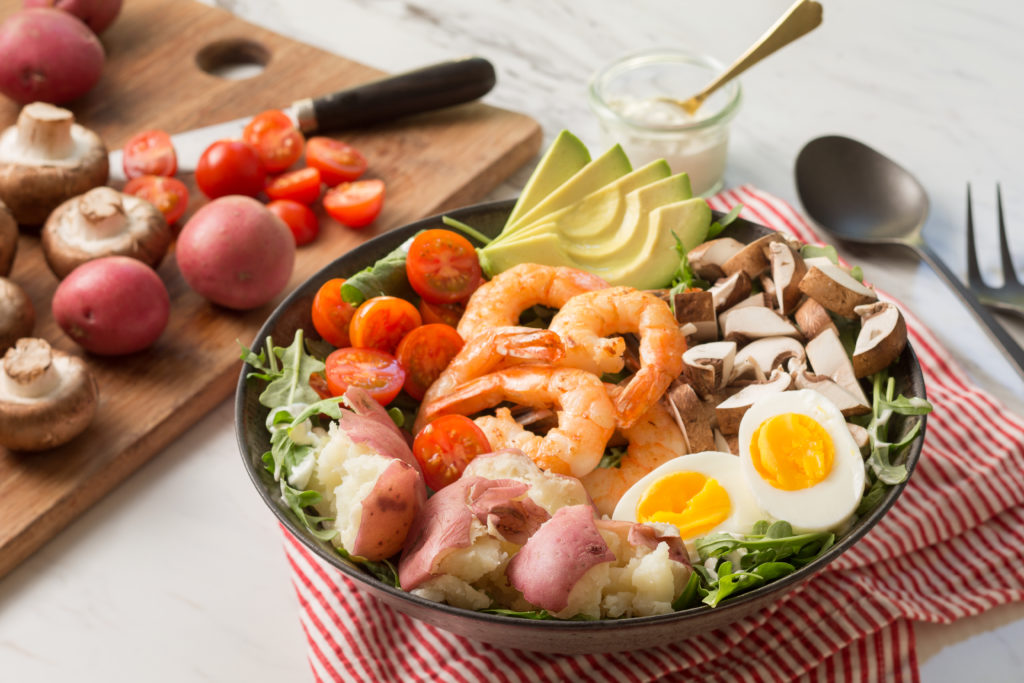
(67,242)
(8,239)
(17,315)
(60,413)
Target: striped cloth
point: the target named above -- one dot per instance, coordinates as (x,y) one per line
(952,546)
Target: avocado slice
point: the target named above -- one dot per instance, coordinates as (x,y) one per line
(545,248)
(603,170)
(563,159)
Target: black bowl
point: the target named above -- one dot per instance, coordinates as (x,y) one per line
(567,637)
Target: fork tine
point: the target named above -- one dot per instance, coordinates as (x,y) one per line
(973,273)
(1009,273)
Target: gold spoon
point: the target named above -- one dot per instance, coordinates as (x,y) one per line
(803,17)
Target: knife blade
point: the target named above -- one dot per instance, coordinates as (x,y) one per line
(425,89)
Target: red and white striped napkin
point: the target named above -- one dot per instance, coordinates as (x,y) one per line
(952,546)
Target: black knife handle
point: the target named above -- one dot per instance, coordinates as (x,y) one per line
(426,89)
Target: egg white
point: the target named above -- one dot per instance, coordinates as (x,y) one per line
(826,506)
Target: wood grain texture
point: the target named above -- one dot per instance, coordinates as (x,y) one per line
(430,162)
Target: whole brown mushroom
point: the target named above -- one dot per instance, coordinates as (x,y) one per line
(104,222)
(47,158)
(8,239)
(47,397)
(17,314)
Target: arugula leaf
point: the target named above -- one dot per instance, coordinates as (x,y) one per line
(884,456)
(715,229)
(468,229)
(814,251)
(691,595)
(385,277)
(683,279)
(533,614)
(612,457)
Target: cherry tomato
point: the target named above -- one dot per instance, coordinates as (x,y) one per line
(445,446)
(424,353)
(370,369)
(150,152)
(356,204)
(168,194)
(299,218)
(275,138)
(445,314)
(338,162)
(331,313)
(230,167)
(302,185)
(381,322)
(442,266)
(318,383)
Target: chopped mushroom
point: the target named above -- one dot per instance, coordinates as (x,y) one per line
(827,357)
(848,404)
(698,309)
(47,158)
(729,291)
(688,410)
(834,288)
(882,338)
(8,239)
(788,268)
(731,410)
(104,222)
(47,397)
(752,259)
(770,352)
(811,318)
(706,259)
(745,324)
(860,437)
(709,366)
(17,315)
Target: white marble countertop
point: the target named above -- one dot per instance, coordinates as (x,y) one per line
(179,574)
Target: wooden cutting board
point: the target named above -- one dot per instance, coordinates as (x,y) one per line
(429,162)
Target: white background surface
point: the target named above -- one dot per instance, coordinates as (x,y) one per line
(179,574)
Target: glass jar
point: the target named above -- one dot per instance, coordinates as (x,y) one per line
(625,97)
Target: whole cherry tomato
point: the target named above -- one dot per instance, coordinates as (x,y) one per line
(302,185)
(168,194)
(338,162)
(442,266)
(375,371)
(275,138)
(331,313)
(356,204)
(445,446)
(150,152)
(424,353)
(381,322)
(230,167)
(299,218)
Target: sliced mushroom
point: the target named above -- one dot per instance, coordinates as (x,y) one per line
(726,445)
(47,397)
(848,404)
(17,315)
(752,259)
(827,357)
(770,352)
(706,259)
(768,291)
(46,159)
(811,318)
(882,338)
(731,410)
(788,268)
(689,414)
(709,366)
(104,222)
(698,309)
(729,291)
(834,288)
(8,239)
(745,324)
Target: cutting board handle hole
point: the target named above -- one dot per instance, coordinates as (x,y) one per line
(234,59)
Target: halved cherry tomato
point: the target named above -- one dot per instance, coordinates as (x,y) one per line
(381,322)
(299,218)
(230,167)
(318,383)
(445,446)
(338,162)
(442,266)
(302,185)
(168,194)
(275,138)
(375,371)
(150,152)
(331,313)
(356,204)
(424,353)
(445,314)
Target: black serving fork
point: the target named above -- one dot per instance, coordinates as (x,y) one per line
(1010,297)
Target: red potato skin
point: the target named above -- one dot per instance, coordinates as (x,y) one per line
(236,253)
(48,55)
(388,512)
(96,14)
(112,306)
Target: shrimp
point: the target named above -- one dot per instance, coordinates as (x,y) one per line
(499,302)
(488,351)
(653,440)
(586,417)
(586,319)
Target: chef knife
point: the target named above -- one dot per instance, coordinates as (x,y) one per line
(425,89)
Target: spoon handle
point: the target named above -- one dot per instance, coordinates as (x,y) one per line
(1014,353)
(802,17)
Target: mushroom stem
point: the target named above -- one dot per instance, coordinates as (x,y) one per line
(28,370)
(102,213)
(44,131)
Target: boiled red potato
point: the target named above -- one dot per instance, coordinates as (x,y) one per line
(369,480)
(96,14)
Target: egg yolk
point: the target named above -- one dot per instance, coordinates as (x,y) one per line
(791,451)
(694,503)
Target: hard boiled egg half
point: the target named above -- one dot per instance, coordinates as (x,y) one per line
(801,461)
(698,493)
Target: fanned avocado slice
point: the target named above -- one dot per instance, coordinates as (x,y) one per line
(563,159)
